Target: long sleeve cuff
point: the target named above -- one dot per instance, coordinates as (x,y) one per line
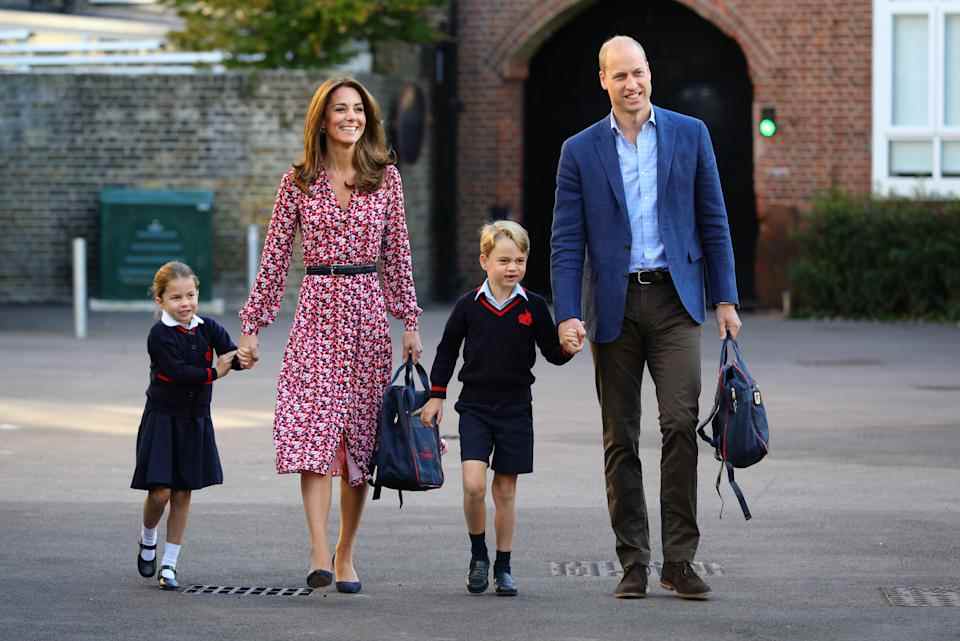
(436,391)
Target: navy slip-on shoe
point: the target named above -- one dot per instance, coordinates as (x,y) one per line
(349,587)
(319,578)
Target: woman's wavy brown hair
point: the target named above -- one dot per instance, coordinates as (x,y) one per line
(370,157)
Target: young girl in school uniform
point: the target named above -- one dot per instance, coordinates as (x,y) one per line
(176,448)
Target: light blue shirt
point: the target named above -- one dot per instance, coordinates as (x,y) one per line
(638,168)
(486,291)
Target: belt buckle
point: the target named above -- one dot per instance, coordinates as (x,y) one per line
(641,281)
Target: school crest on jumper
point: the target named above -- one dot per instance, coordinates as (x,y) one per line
(526,318)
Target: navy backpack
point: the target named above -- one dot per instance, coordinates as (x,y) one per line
(408,452)
(740,433)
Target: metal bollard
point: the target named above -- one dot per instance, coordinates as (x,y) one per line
(80,287)
(253,253)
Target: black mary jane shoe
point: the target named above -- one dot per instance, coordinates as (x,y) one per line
(146,568)
(168,583)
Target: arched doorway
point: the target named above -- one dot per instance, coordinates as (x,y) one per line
(696,69)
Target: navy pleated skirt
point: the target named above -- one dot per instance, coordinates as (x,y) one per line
(176,452)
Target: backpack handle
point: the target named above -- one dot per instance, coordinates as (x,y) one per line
(407,369)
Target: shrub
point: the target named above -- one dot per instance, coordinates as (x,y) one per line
(869,257)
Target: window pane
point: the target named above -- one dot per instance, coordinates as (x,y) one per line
(951,71)
(951,159)
(911,158)
(910,70)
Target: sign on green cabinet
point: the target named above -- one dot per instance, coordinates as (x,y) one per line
(140,230)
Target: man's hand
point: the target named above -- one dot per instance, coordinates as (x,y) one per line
(249,351)
(432,412)
(728,320)
(569,330)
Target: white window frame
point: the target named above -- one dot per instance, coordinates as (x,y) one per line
(884,132)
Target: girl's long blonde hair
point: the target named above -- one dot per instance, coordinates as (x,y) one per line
(370,157)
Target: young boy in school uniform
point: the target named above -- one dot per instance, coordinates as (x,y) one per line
(498,323)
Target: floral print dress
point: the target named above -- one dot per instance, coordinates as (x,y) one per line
(337,361)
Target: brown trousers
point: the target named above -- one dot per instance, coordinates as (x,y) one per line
(657,332)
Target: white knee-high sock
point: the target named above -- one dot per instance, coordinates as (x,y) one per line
(148,536)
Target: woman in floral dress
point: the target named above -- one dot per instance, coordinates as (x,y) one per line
(347,201)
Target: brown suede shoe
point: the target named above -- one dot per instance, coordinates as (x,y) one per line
(679,577)
(633,585)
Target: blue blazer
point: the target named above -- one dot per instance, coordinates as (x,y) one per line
(590,244)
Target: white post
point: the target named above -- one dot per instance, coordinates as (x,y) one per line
(253,253)
(80,287)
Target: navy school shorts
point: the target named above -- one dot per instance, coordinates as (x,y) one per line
(505,429)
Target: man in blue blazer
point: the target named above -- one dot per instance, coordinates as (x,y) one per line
(640,245)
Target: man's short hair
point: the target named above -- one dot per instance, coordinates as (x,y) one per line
(611,40)
(492,232)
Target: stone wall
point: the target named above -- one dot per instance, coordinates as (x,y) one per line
(65,137)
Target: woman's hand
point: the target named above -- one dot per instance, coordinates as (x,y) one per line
(412,347)
(249,350)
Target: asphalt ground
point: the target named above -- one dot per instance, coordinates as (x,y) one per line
(858,495)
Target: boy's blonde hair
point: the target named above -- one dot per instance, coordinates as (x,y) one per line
(492,232)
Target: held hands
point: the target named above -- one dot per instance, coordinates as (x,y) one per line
(728,320)
(249,351)
(225,363)
(571,334)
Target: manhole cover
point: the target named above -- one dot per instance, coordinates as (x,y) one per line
(612,568)
(246,591)
(841,362)
(938,388)
(921,597)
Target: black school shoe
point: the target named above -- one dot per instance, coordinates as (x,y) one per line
(171,583)
(478,576)
(504,583)
(146,568)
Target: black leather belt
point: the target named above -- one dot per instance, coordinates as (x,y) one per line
(340,270)
(651,277)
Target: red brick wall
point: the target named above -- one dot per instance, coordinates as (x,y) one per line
(811,59)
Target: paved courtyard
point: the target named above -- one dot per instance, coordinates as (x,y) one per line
(859,496)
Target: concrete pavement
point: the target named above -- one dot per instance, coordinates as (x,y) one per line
(859,494)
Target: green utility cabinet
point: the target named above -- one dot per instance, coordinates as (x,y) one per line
(140,230)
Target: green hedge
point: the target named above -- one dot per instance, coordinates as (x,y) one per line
(866,257)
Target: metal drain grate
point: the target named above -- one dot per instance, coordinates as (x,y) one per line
(612,568)
(921,597)
(246,591)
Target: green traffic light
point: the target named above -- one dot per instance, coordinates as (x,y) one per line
(768,127)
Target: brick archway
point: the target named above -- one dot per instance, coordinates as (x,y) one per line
(513,52)
(796,61)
